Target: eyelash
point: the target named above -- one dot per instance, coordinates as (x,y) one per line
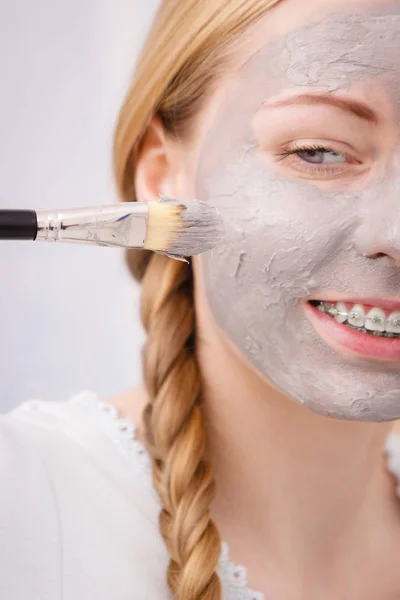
(298,149)
(317,169)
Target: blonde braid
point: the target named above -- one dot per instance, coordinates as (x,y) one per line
(187,47)
(176,433)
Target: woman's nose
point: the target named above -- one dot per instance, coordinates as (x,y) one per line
(379,233)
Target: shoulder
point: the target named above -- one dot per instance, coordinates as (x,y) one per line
(82,433)
(20,460)
(43,424)
(37,438)
(53,446)
(29,543)
(70,479)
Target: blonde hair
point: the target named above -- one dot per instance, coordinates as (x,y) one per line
(179,63)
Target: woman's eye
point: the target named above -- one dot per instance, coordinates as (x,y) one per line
(316,161)
(321,156)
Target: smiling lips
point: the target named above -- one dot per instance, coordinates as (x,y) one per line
(370,329)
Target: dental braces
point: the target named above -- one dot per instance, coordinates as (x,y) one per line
(332,311)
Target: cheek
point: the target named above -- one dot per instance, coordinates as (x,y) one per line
(286,242)
(279,235)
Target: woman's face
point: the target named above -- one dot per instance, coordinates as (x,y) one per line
(300,151)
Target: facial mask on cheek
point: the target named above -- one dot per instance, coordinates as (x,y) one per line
(287,240)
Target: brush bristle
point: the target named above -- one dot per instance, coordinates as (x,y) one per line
(182,228)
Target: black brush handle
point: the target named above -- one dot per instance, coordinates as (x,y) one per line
(18,225)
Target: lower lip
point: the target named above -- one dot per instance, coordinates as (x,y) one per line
(342,337)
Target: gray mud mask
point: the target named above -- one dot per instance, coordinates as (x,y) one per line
(287,240)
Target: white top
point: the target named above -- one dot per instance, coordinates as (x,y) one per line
(78,513)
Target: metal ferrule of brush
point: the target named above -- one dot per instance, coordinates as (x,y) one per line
(123,225)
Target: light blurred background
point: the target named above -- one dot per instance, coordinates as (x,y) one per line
(69,313)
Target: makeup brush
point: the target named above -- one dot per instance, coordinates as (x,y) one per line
(175,227)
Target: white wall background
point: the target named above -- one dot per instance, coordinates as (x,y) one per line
(68,313)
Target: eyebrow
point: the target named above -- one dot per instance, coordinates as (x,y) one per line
(361,110)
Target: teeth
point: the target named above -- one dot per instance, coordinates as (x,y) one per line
(375,320)
(331,310)
(342,312)
(393,322)
(357,316)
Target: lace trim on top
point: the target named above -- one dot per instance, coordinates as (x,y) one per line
(123,434)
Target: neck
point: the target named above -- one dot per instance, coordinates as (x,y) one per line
(292,485)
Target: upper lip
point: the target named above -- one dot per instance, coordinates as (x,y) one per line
(385,303)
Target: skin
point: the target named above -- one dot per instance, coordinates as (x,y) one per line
(295,233)
(303,499)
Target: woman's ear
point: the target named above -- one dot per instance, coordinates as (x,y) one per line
(153,163)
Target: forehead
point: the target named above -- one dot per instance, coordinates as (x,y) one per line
(345,44)
(307,46)
(287,16)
